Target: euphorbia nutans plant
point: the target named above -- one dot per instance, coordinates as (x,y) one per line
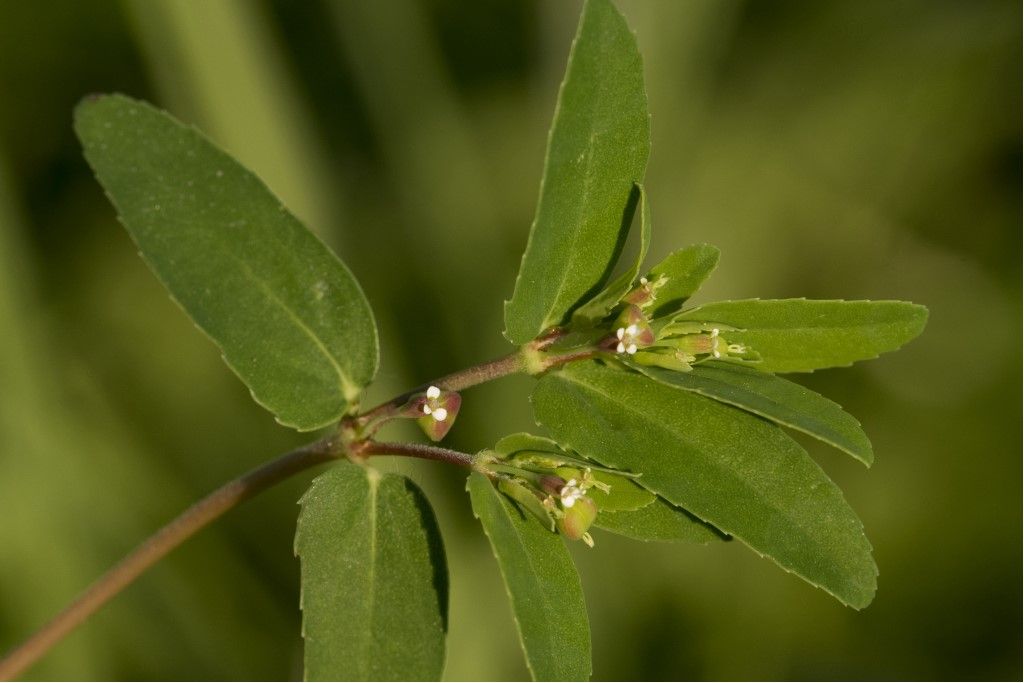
(661,419)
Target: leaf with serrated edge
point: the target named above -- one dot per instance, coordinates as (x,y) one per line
(801,335)
(659,521)
(597,151)
(602,304)
(542,583)
(731,469)
(288,316)
(374,578)
(683,271)
(773,398)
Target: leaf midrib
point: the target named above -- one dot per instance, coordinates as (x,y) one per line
(823,427)
(373,485)
(535,575)
(347,387)
(796,525)
(575,237)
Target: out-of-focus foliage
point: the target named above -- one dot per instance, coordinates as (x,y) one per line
(832,150)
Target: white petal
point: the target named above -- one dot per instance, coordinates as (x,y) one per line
(440,414)
(643,281)
(631,330)
(620,333)
(433,392)
(621,348)
(426,410)
(631,349)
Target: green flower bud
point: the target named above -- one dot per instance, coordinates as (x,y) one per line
(577,518)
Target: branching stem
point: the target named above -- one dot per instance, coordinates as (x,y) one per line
(531,358)
(415,450)
(370,421)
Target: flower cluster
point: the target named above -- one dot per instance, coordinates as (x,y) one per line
(555,488)
(666,342)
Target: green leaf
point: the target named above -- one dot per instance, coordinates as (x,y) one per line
(288,316)
(597,152)
(542,583)
(374,579)
(683,271)
(731,469)
(623,493)
(658,521)
(527,449)
(774,398)
(797,335)
(524,441)
(602,304)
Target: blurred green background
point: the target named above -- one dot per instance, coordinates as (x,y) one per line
(832,150)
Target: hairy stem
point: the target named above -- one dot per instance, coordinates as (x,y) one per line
(161,543)
(530,359)
(414,450)
(372,419)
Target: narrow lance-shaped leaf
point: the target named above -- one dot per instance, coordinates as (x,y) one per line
(533,452)
(797,335)
(681,274)
(602,304)
(774,398)
(734,470)
(597,151)
(288,316)
(542,583)
(374,579)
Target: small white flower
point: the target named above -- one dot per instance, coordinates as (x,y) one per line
(627,339)
(431,408)
(570,493)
